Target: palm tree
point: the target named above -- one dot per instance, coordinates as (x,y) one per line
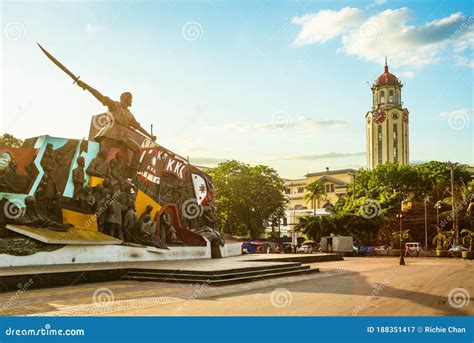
(315,192)
(468,238)
(443,240)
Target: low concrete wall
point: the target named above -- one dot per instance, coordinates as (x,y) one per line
(231,249)
(71,254)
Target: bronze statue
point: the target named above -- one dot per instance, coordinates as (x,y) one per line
(98,166)
(87,200)
(33,216)
(78,178)
(117,132)
(145,230)
(167,230)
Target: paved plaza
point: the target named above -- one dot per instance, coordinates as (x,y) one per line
(356,286)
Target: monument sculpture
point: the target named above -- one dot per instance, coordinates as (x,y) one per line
(119,182)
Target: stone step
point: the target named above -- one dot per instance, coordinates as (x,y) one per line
(209,275)
(223,270)
(236,279)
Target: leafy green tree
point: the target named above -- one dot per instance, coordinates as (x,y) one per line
(248,197)
(8,140)
(381,190)
(315,192)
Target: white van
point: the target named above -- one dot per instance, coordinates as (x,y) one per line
(413,247)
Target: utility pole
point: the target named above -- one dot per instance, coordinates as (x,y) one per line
(453,211)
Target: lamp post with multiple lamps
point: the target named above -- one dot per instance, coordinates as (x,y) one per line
(405,205)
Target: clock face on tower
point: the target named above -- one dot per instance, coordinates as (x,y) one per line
(379,116)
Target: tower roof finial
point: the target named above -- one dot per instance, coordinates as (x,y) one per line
(386,65)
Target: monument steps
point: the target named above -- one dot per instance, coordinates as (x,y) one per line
(219,277)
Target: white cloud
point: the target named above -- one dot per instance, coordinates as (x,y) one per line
(324,156)
(305,123)
(388,34)
(227,127)
(462,111)
(94,28)
(280,122)
(324,25)
(464,61)
(406,74)
(377,3)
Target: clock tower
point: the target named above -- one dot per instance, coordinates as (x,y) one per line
(387,122)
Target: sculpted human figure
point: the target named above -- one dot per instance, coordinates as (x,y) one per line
(98,166)
(117,131)
(87,200)
(117,170)
(78,177)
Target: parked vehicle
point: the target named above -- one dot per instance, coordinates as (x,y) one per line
(366,250)
(307,247)
(413,248)
(382,250)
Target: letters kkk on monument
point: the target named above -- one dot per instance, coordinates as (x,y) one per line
(117,187)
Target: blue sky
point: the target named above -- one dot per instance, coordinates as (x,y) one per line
(282,83)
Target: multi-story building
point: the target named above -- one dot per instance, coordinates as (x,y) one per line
(336,183)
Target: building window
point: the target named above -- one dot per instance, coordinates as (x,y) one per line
(382,96)
(287,190)
(298,207)
(300,189)
(390,96)
(379,143)
(329,188)
(395,143)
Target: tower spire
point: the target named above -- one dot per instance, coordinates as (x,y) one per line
(386,65)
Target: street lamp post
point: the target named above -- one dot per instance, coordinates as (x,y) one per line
(437,206)
(426,200)
(405,201)
(402,260)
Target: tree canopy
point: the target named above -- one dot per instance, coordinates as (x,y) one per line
(248,197)
(8,140)
(368,212)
